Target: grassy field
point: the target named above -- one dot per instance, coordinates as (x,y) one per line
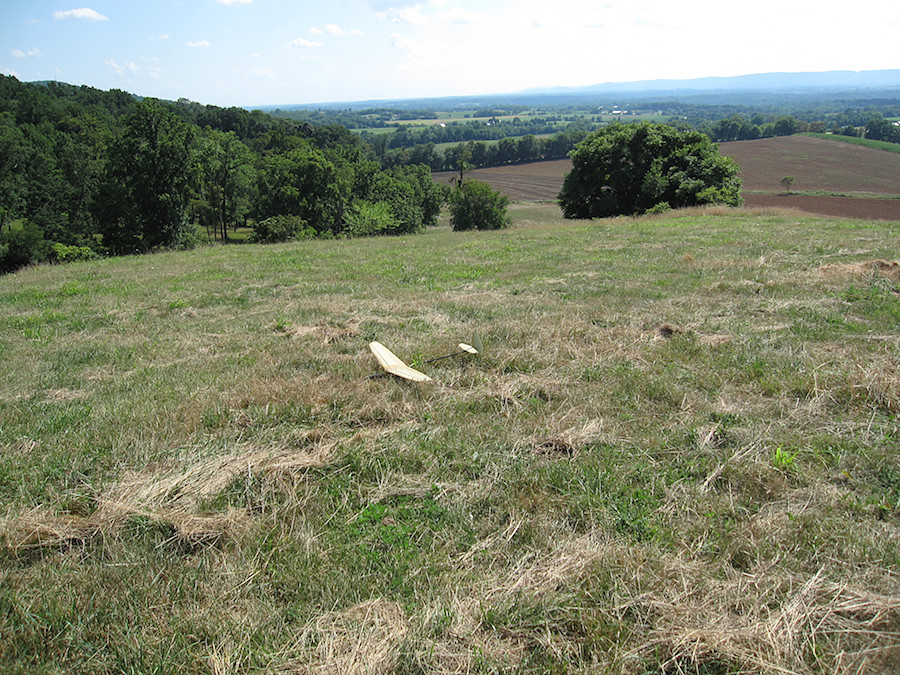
(678,453)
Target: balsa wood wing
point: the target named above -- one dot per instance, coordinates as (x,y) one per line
(392,364)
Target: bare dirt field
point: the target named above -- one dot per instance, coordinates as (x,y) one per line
(815,164)
(861,177)
(537,181)
(841,207)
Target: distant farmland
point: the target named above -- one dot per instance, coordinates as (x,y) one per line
(830,178)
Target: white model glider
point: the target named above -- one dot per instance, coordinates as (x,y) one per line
(392,364)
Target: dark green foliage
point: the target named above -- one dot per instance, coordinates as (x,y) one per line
(879,129)
(280,228)
(429,196)
(367,218)
(225,180)
(145,195)
(305,183)
(475,206)
(95,170)
(22,246)
(628,169)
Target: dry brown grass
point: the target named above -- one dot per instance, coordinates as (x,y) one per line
(170,495)
(362,640)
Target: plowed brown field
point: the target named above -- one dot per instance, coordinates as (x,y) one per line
(869,179)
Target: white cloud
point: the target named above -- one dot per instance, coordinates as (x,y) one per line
(10,73)
(305,44)
(412,14)
(256,73)
(121,70)
(460,15)
(201,43)
(334,29)
(401,42)
(82,13)
(234,2)
(19,54)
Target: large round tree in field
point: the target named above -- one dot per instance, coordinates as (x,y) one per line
(627,169)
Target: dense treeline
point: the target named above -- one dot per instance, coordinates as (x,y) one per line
(849,123)
(492,129)
(85,172)
(367,118)
(528,148)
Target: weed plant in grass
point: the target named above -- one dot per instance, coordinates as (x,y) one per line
(677,453)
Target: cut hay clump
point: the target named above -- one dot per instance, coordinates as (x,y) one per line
(365,639)
(877,384)
(886,269)
(175,497)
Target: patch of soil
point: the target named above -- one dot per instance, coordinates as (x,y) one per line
(815,164)
(841,207)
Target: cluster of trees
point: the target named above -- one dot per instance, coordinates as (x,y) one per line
(367,118)
(493,129)
(86,172)
(741,128)
(528,148)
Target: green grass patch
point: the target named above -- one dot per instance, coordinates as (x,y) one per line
(854,140)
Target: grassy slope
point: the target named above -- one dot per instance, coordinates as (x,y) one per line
(678,452)
(852,140)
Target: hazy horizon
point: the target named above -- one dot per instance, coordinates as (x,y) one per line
(276,52)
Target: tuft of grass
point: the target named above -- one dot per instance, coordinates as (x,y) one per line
(676,453)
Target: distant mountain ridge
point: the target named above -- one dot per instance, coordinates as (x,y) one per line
(842,79)
(844,84)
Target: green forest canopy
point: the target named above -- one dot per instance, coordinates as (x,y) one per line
(86,172)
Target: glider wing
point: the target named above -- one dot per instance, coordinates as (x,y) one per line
(392,364)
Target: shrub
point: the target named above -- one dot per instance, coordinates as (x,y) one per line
(475,206)
(368,218)
(63,253)
(22,247)
(280,228)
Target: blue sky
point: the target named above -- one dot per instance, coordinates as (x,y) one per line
(264,52)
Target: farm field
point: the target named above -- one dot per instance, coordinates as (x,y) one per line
(861,182)
(677,453)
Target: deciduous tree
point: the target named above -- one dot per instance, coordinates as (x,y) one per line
(143,203)
(627,169)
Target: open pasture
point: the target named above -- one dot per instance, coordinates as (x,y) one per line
(677,453)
